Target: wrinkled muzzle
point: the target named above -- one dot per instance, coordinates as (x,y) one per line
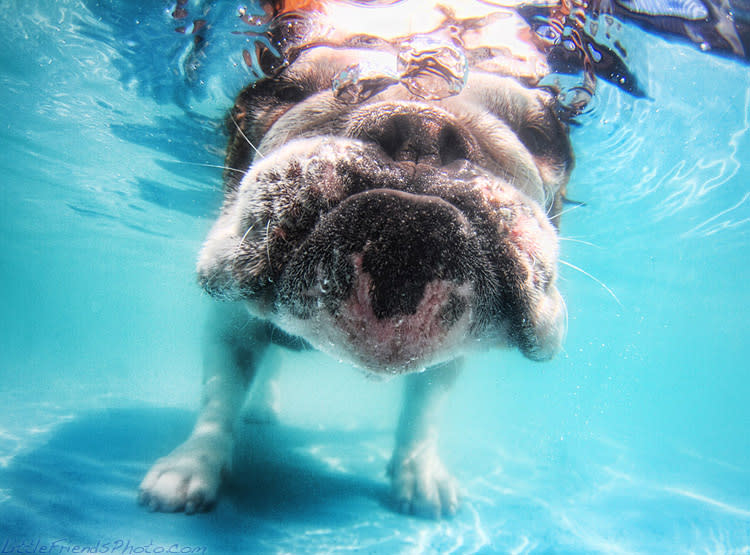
(393,266)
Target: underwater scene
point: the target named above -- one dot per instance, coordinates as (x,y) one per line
(632,439)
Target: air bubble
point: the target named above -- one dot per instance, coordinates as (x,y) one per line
(432,69)
(358,82)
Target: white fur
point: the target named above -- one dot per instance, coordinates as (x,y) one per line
(188,479)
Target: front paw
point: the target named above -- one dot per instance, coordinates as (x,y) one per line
(421,485)
(187,479)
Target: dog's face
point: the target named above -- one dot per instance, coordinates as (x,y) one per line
(395,232)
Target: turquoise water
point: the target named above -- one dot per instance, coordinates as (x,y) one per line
(634,440)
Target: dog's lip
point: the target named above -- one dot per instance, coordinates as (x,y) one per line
(328,281)
(407,196)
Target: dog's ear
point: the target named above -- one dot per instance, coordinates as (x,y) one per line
(547,138)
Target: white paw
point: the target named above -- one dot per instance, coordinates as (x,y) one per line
(420,484)
(187,479)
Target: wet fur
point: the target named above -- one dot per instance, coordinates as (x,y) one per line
(302,169)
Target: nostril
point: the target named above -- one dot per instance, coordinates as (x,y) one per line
(392,137)
(451,146)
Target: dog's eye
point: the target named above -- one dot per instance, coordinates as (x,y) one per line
(280,89)
(534,138)
(290,92)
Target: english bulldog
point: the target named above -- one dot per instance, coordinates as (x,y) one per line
(392,196)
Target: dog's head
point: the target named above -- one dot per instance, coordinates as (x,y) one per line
(397,228)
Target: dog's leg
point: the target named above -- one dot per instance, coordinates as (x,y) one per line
(264,404)
(189,477)
(420,483)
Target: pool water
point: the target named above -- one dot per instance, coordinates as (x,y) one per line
(634,440)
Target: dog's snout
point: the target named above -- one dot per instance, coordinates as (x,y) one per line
(409,138)
(415,134)
(396,245)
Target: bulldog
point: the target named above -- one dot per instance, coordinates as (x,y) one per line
(392,196)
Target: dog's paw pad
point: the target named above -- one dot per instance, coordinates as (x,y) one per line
(175,491)
(186,480)
(421,485)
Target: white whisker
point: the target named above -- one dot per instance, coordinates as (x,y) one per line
(204,165)
(268,248)
(245,136)
(572,240)
(600,282)
(249,229)
(574,207)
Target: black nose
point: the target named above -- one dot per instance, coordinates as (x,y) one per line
(403,242)
(406,242)
(417,136)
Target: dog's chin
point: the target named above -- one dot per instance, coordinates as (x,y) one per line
(412,343)
(384,347)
